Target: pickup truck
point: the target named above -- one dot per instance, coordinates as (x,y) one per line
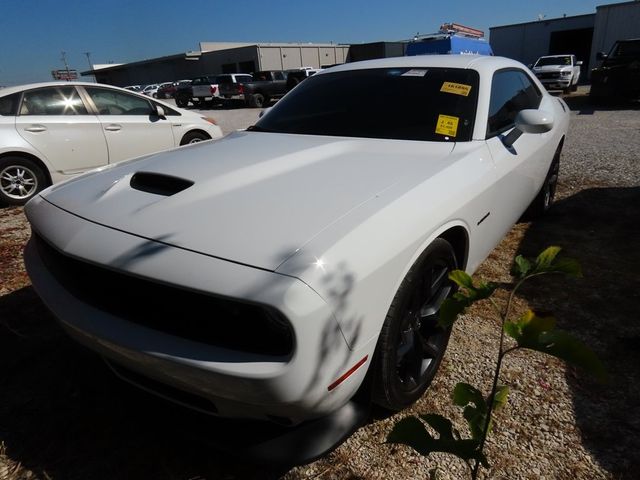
(198,92)
(265,86)
(560,72)
(618,76)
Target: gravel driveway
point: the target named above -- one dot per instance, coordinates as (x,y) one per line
(64,416)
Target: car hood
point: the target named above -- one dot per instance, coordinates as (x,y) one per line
(256,198)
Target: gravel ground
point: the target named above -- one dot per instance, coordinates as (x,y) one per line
(62,415)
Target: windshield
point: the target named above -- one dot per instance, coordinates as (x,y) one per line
(544,61)
(434,104)
(626,49)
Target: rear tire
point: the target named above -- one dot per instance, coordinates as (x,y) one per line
(543,201)
(256,100)
(20,180)
(411,345)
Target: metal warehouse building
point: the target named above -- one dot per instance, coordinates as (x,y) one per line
(582,35)
(215,57)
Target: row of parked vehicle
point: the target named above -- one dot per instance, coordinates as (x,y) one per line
(255,90)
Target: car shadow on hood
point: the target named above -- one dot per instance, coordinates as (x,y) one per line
(598,227)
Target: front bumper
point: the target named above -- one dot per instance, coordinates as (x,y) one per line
(289,388)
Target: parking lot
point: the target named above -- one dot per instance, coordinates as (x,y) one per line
(63,415)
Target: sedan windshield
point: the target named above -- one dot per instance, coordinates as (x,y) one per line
(433,104)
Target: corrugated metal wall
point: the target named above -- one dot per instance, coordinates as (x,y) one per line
(614,22)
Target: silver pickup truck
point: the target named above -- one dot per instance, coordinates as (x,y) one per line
(558,72)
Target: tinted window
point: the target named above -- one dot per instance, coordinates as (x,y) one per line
(244,78)
(511,91)
(113,102)
(52,101)
(9,104)
(436,104)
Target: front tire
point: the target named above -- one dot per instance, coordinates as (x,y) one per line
(20,180)
(194,137)
(411,344)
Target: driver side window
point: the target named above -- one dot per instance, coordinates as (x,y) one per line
(511,91)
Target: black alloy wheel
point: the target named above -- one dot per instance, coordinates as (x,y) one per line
(411,344)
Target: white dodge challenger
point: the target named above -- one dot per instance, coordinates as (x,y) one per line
(265,275)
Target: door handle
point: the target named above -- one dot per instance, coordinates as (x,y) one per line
(113,127)
(36,128)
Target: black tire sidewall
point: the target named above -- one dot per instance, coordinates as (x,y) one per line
(386,390)
(189,136)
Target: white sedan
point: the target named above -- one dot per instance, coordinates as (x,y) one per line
(267,274)
(52,131)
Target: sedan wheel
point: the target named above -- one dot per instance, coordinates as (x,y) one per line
(411,344)
(20,179)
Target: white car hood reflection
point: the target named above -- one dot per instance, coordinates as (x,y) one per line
(256,197)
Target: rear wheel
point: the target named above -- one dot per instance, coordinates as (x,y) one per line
(411,344)
(20,180)
(182,101)
(256,100)
(543,201)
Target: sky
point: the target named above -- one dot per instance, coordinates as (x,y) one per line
(33,33)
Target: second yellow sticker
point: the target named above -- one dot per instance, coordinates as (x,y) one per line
(447,125)
(457,88)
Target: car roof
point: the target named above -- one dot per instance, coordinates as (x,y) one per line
(477,62)
(30,86)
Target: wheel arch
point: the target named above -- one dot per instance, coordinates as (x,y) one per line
(45,169)
(195,130)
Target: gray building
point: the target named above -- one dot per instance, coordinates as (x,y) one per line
(216,57)
(582,35)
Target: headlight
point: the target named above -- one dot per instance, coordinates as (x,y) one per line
(565,74)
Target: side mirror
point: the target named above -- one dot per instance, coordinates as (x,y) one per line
(529,121)
(159,112)
(264,112)
(601,56)
(579,63)
(530,66)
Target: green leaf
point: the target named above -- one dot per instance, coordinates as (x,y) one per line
(568,266)
(449,311)
(528,327)
(564,346)
(412,432)
(475,407)
(500,398)
(521,267)
(546,258)
(461,278)
(539,334)
(464,394)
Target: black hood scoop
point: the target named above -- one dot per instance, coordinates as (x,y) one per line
(159,183)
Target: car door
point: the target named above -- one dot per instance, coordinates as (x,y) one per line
(130,124)
(521,168)
(57,123)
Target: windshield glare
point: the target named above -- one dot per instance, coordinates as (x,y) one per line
(433,104)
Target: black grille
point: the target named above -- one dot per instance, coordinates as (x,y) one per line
(547,75)
(191,315)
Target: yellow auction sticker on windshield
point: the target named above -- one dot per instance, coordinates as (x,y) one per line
(447,125)
(457,88)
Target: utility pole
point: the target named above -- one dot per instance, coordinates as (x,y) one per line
(66,66)
(88,54)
